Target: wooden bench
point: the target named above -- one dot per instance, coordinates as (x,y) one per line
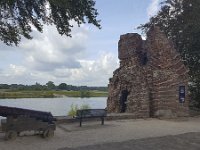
(91,113)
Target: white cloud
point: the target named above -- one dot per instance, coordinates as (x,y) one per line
(99,71)
(50,51)
(14,70)
(153,8)
(14,74)
(91,73)
(51,57)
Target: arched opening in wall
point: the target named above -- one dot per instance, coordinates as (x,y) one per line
(123,101)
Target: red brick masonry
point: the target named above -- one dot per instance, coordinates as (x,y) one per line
(151,71)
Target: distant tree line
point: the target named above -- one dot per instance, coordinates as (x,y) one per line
(49,86)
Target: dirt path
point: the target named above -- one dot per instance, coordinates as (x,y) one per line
(92,133)
(186,141)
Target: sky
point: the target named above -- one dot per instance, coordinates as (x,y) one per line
(88,58)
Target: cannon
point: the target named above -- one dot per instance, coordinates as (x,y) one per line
(19,120)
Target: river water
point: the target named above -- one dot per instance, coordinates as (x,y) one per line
(57,106)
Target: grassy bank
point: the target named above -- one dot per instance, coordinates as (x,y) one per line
(51,94)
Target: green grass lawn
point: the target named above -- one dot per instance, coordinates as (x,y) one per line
(51,94)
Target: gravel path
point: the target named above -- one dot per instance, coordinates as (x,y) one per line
(187,141)
(92,133)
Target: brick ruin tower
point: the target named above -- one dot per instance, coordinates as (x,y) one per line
(152,80)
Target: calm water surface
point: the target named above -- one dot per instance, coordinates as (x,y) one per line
(57,106)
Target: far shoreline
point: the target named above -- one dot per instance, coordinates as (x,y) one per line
(51,94)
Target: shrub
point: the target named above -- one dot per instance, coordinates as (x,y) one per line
(74,108)
(85,106)
(72,111)
(84,94)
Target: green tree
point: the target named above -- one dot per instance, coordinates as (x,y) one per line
(37,86)
(50,85)
(62,86)
(179,19)
(4,86)
(17,17)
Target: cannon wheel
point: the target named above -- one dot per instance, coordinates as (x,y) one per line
(48,133)
(11,135)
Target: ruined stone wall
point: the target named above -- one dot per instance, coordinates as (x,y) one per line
(151,71)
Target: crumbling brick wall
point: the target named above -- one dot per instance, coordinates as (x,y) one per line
(151,71)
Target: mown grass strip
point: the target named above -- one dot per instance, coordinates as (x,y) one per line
(51,94)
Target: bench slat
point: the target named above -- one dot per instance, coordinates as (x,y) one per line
(91,113)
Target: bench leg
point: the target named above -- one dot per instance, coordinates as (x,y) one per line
(102,121)
(80,122)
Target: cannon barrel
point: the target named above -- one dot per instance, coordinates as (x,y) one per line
(15,112)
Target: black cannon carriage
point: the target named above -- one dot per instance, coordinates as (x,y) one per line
(19,120)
